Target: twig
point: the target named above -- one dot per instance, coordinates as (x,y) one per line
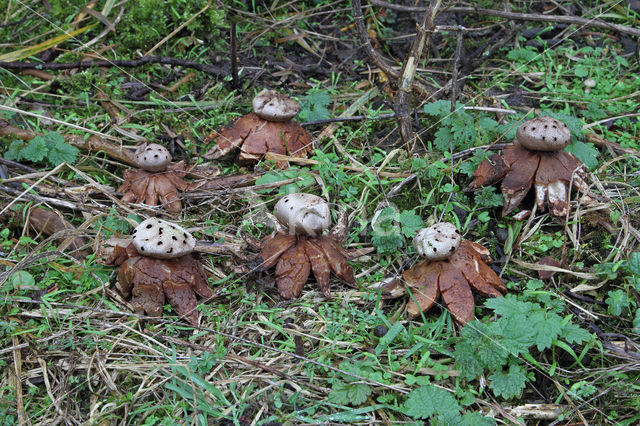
(375,57)
(593,23)
(234,57)
(132,63)
(421,43)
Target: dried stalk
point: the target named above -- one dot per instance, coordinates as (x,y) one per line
(420,43)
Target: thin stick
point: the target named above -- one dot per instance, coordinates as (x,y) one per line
(421,43)
(234,57)
(593,23)
(133,63)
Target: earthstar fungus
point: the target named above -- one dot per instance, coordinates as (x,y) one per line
(535,158)
(269,128)
(158,266)
(156,181)
(451,268)
(304,248)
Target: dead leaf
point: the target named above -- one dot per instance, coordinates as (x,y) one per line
(548,261)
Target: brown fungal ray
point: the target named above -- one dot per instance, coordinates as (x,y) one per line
(423,280)
(231,136)
(148,280)
(256,136)
(147,299)
(273,247)
(144,277)
(552,168)
(483,269)
(278,137)
(168,194)
(292,271)
(188,269)
(468,262)
(337,259)
(456,293)
(181,298)
(141,186)
(319,265)
(489,171)
(522,169)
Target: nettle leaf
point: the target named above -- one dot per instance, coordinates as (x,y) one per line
(508,384)
(349,393)
(389,243)
(636,322)
(442,139)
(489,197)
(314,106)
(547,327)
(584,152)
(428,400)
(438,108)
(480,346)
(633,264)
(62,152)
(410,223)
(617,301)
(14,153)
(510,306)
(573,333)
(36,150)
(518,335)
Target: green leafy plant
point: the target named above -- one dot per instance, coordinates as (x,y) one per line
(521,327)
(348,390)
(389,228)
(314,106)
(459,128)
(441,407)
(305,179)
(50,148)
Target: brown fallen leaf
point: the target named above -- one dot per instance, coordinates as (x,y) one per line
(548,261)
(49,222)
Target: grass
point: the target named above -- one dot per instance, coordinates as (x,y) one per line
(73,352)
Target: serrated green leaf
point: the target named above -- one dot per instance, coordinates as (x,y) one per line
(636,322)
(428,400)
(633,264)
(62,152)
(438,108)
(508,384)
(36,150)
(547,327)
(389,243)
(518,334)
(22,278)
(617,301)
(573,333)
(489,197)
(314,106)
(410,223)
(349,393)
(510,306)
(442,139)
(584,152)
(14,153)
